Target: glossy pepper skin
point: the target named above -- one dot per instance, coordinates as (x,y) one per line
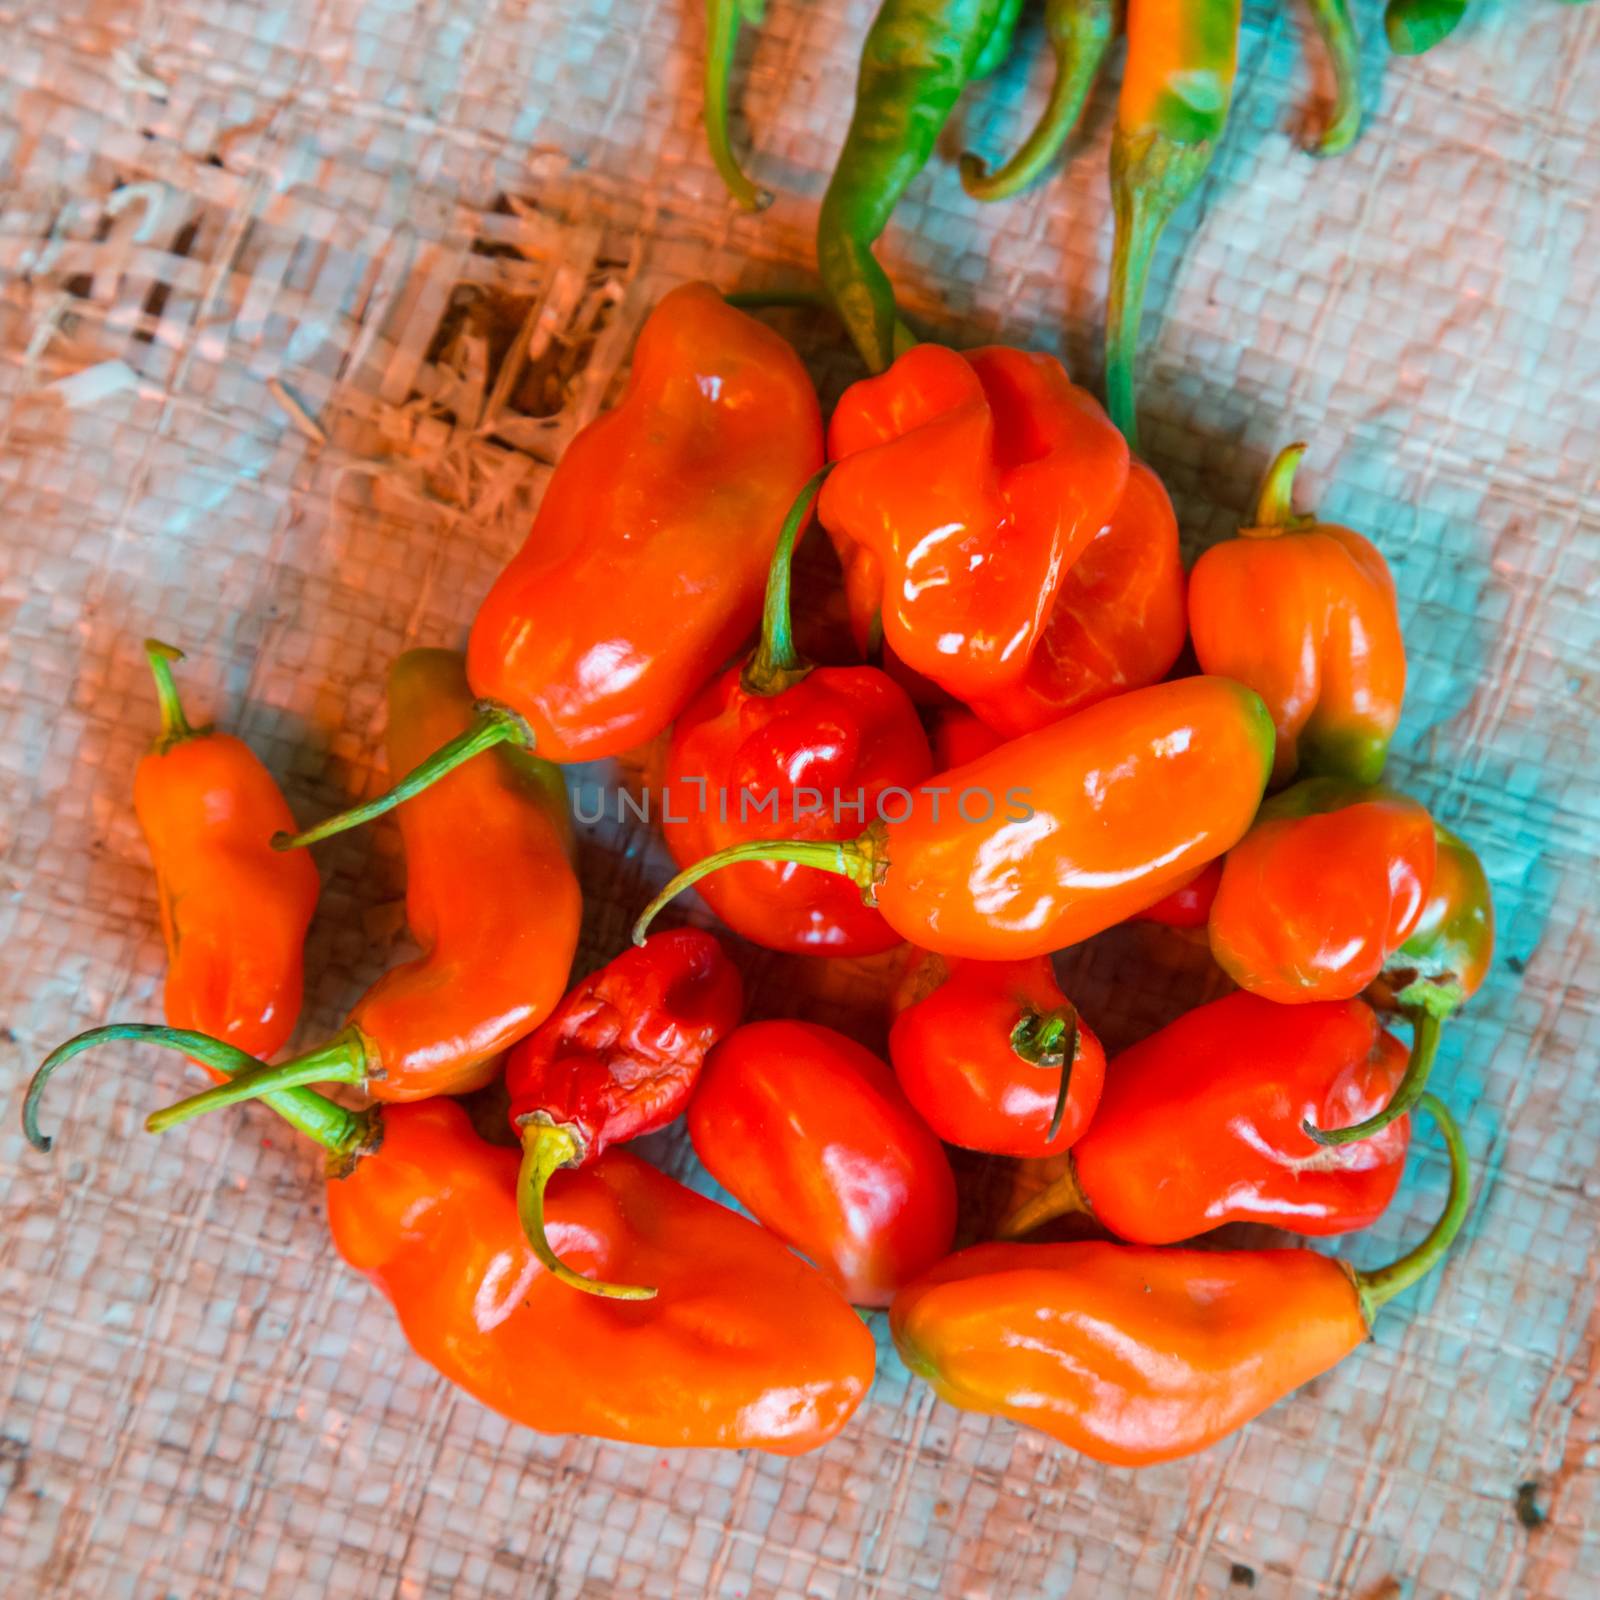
(1331,881)
(918,57)
(1189,905)
(1092,819)
(810,1132)
(995,1057)
(774,748)
(1305,613)
(1118,621)
(964,488)
(1202,1124)
(1177,86)
(1134,1354)
(617,1058)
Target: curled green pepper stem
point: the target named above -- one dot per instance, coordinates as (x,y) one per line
(1274,509)
(723,20)
(1337,30)
(1047,1039)
(547,1148)
(340,1132)
(1414,26)
(1079,34)
(1377,1288)
(1427,1026)
(777,665)
(174,724)
(492,724)
(1059,1199)
(343,1059)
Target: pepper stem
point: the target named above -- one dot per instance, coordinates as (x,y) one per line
(1045,1039)
(342,1132)
(1274,511)
(1427,1027)
(777,665)
(1059,1199)
(861,860)
(546,1149)
(1337,30)
(174,724)
(1079,32)
(492,724)
(1377,1288)
(723,20)
(1414,26)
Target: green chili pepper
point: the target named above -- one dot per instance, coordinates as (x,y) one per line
(1417,25)
(1079,32)
(1176,90)
(1337,30)
(918,56)
(723,19)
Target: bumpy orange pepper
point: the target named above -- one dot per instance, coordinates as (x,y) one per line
(1133,1354)
(1057,835)
(965,488)
(1304,612)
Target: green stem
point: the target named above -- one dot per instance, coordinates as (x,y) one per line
(1427,1026)
(1414,26)
(1061,1198)
(1045,1039)
(863,860)
(1079,32)
(343,1059)
(1337,30)
(340,1131)
(776,664)
(1274,510)
(1377,1288)
(723,19)
(174,725)
(491,724)
(546,1149)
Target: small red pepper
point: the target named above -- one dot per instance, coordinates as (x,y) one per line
(1118,621)
(1328,884)
(965,486)
(1203,1123)
(1189,905)
(1304,613)
(777,747)
(810,1133)
(994,1055)
(616,1059)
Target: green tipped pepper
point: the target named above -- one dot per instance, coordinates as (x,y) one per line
(1337,30)
(723,19)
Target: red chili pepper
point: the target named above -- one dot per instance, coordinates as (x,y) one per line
(811,1134)
(1203,1123)
(965,487)
(994,1055)
(617,1058)
(1328,884)
(1118,621)
(778,747)
(1189,905)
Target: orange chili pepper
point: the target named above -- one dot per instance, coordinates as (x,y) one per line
(644,568)
(1328,884)
(965,487)
(809,1131)
(1133,1354)
(1057,835)
(1304,612)
(994,1055)
(491,898)
(1118,621)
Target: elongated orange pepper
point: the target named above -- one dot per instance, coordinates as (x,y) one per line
(1057,835)
(1133,1354)
(1304,612)
(491,897)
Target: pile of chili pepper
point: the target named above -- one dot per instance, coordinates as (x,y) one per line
(1005,769)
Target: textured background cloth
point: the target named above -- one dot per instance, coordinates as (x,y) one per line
(228,227)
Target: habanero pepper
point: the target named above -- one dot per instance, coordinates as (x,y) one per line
(918,57)
(1077,827)
(809,1131)
(491,897)
(1176,89)
(1203,1123)
(994,1056)
(723,20)
(1133,1354)
(618,1058)
(1305,613)
(764,734)
(645,565)
(1118,621)
(1434,973)
(964,487)
(1329,882)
